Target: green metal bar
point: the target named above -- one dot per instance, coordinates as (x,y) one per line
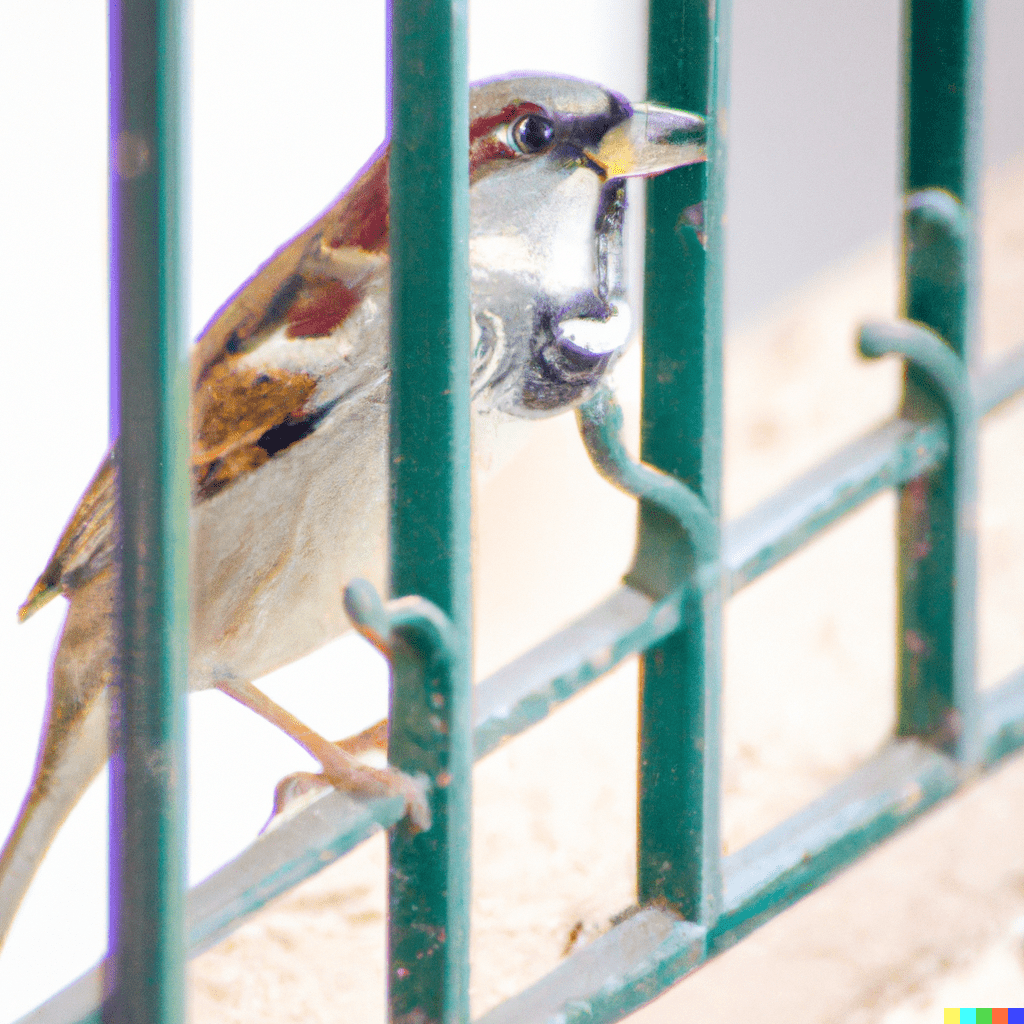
(430,727)
(149,345)
(630,964)
(888,456)
(612,976)
(600,423)
(628,621)
(801,854)
(531,687)
(681,434)
(936,529)
(671,607)
(948,379)
(942,105)
(652,950)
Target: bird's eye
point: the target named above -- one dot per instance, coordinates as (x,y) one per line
(532,133)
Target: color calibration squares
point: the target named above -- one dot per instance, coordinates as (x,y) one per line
(983,1015)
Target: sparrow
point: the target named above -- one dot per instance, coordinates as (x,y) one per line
(289,419)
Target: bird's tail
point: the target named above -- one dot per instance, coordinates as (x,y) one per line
(74,745)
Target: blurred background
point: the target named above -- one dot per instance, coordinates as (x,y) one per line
(288,102)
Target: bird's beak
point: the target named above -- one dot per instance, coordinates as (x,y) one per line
(650,141)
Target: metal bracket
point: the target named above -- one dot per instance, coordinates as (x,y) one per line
(682,549)
(429,733)
(417,622)
(421,644)
(937,689)
(945,370)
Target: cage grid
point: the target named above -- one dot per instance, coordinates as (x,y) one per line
(692,902)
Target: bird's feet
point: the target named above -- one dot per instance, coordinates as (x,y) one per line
(298,790)
(343,771)
(370,740)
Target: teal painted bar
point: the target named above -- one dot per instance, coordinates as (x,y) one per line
(761,880)
(540,681)
(430,721)
(149,346)
(669,609)
(936,525)
(681,434)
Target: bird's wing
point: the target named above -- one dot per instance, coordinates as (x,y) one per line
(244,413)
(84,547)
(355,225)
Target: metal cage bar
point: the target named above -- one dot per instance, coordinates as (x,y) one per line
(936,561)
(149,357)
(430,720)
(691,905)
(681,433)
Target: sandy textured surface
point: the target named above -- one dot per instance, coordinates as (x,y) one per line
(927,917)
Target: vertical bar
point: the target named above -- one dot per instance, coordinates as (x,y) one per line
(942,75)
(149,356)
(429,894)
(936,575)
(681,433)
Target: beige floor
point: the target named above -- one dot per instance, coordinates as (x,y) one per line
(931,918)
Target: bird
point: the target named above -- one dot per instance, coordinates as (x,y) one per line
(289,419)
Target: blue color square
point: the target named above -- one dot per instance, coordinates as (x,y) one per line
(1015,1015)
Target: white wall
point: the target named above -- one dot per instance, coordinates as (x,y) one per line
(814,168)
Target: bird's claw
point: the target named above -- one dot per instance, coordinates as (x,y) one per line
(293,793)
(414,788)
(296,791)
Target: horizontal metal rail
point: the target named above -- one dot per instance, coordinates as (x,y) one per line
(761,879)
(693,902)
(652,948)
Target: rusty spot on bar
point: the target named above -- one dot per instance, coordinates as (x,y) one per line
(915,643)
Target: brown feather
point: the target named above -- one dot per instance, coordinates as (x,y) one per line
(85,546)
(310,285)
(232,410)
(321,307)
(360,218)
(357,219)
(237,404)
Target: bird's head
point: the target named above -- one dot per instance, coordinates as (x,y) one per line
(548,160)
